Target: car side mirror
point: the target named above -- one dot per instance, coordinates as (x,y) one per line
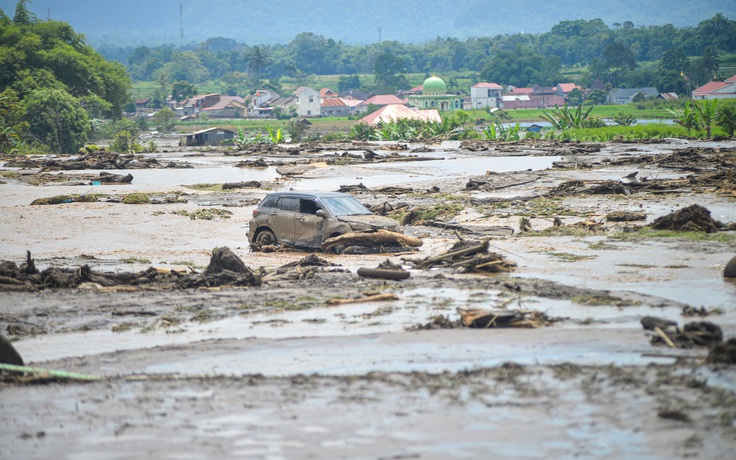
(320,213)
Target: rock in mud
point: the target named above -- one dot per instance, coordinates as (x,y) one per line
(724,352)
(730,270)
(694,218)
(8,354)
(225,259)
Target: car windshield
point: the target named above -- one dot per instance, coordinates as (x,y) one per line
(344,206)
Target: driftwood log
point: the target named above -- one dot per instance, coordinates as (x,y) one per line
(383,273)
(371,238)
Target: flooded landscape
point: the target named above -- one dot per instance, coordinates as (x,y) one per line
(302,364)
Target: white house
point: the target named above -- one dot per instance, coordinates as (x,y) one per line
(626,95)
(717,90)
(485,95)
(307,102)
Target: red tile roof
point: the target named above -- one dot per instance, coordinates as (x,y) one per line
(384,99)
(710,86)
(488,85)
(333,102)
(521,91)
(567,87)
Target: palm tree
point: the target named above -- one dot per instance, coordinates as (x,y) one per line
(257,61)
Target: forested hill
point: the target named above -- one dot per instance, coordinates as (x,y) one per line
(134,22)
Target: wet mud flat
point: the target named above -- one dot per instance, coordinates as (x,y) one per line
(315,361)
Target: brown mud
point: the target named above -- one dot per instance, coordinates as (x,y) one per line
(203,351)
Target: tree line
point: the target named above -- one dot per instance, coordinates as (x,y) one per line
(623,54)
(52,84)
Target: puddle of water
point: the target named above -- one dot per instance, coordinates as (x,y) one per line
(382,174)
(162,179)
(361,338)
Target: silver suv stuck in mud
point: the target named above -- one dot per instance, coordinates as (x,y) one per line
(306,219)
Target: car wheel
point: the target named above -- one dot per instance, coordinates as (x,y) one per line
(265,238)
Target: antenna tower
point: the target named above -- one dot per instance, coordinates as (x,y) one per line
(181,24)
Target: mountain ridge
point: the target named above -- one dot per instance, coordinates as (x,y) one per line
(139,22)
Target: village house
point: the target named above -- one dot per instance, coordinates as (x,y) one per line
(211,136)
(215,105)
(308,102)
(717,90)
(226,107)
(627,95)
(485,94)
(394,112)
(335,107)
(564,89)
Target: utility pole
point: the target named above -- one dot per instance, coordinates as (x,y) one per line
(379,36)
(181,24)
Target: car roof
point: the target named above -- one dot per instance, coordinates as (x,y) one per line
(295,193)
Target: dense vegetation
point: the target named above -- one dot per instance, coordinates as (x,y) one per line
(622,55)
(52,83)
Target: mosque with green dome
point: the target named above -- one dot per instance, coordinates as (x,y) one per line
(434,96)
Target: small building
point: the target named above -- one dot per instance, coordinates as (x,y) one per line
(717,90)
(394,112)
(627,95)
(335,107)
(485,94)
(307,102)
(211,136)
(434,96)
(226,107)
(563,89)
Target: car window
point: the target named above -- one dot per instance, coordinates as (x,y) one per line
(269,202)
(288,204)
(345,206)
(308,206)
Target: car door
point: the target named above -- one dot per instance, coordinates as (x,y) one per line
(282,218)
(308,227)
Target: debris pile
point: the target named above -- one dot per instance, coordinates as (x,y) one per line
(694,334)
(93,160)
(468,256)
(225,269)
(304,268)
(692,218)
(497,318)
(724,352)
(371,238)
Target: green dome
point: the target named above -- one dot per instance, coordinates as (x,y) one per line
(434,85)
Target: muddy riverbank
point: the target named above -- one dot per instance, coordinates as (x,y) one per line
(277,370)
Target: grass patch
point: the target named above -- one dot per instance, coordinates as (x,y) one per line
(59,199)
(136,198)
(636,265)
(124,326)
(300,303)
(425,213)
(205,214)
(602,246)
(206,187)
(643,233)
(567,257)
(135,260)
(621,133)
(598,300)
